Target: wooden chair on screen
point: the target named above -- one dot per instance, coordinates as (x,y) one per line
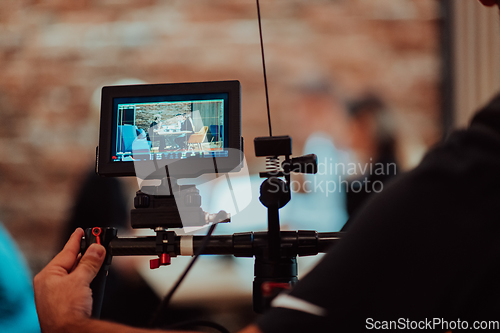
(198,138)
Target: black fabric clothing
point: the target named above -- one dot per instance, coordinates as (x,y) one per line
(186,125)
(154,136)
(152,126)
(427,247)
(357,192)
(182,140)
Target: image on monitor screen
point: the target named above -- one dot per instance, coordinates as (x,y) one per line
(191,128)
(169,127)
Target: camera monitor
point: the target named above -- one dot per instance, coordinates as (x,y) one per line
(189,128)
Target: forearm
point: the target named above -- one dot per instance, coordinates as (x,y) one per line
(251,329)
(99,326)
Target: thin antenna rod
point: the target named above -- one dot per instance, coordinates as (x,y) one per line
(264,68)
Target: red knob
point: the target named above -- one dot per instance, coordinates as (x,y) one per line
(163,260)
(269,288)
(154,263)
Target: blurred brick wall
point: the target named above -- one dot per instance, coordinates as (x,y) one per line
(55,55)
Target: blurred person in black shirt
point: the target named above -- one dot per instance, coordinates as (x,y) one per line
(372,138)
(186,125)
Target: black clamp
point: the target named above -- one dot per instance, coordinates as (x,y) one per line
(165,248)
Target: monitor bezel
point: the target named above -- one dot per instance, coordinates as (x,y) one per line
(191,168)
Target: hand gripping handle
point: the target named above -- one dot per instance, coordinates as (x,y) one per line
(101,236)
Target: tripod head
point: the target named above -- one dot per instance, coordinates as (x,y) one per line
(170,205)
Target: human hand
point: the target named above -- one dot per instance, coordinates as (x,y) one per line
(63,296)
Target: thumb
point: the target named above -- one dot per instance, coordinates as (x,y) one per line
(90,263)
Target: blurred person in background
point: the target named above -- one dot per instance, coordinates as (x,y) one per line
(186,125)
(319,201)
(154,128)
(371,130)
(17,303)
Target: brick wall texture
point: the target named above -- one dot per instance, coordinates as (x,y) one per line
(55,55)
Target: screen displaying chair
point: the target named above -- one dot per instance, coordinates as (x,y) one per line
(196,139)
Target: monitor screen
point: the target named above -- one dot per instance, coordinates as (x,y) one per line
(168,123)
(169,127)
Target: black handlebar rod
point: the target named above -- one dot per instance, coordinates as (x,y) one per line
(245,244)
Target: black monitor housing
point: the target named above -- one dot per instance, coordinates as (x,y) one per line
(128,113)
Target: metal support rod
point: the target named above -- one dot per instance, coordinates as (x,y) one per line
(274,237)
(246,244)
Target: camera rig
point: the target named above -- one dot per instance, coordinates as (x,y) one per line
(275,251)
(170,205)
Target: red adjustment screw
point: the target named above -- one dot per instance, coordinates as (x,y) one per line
(269,288)
(96,231)
(163,260)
